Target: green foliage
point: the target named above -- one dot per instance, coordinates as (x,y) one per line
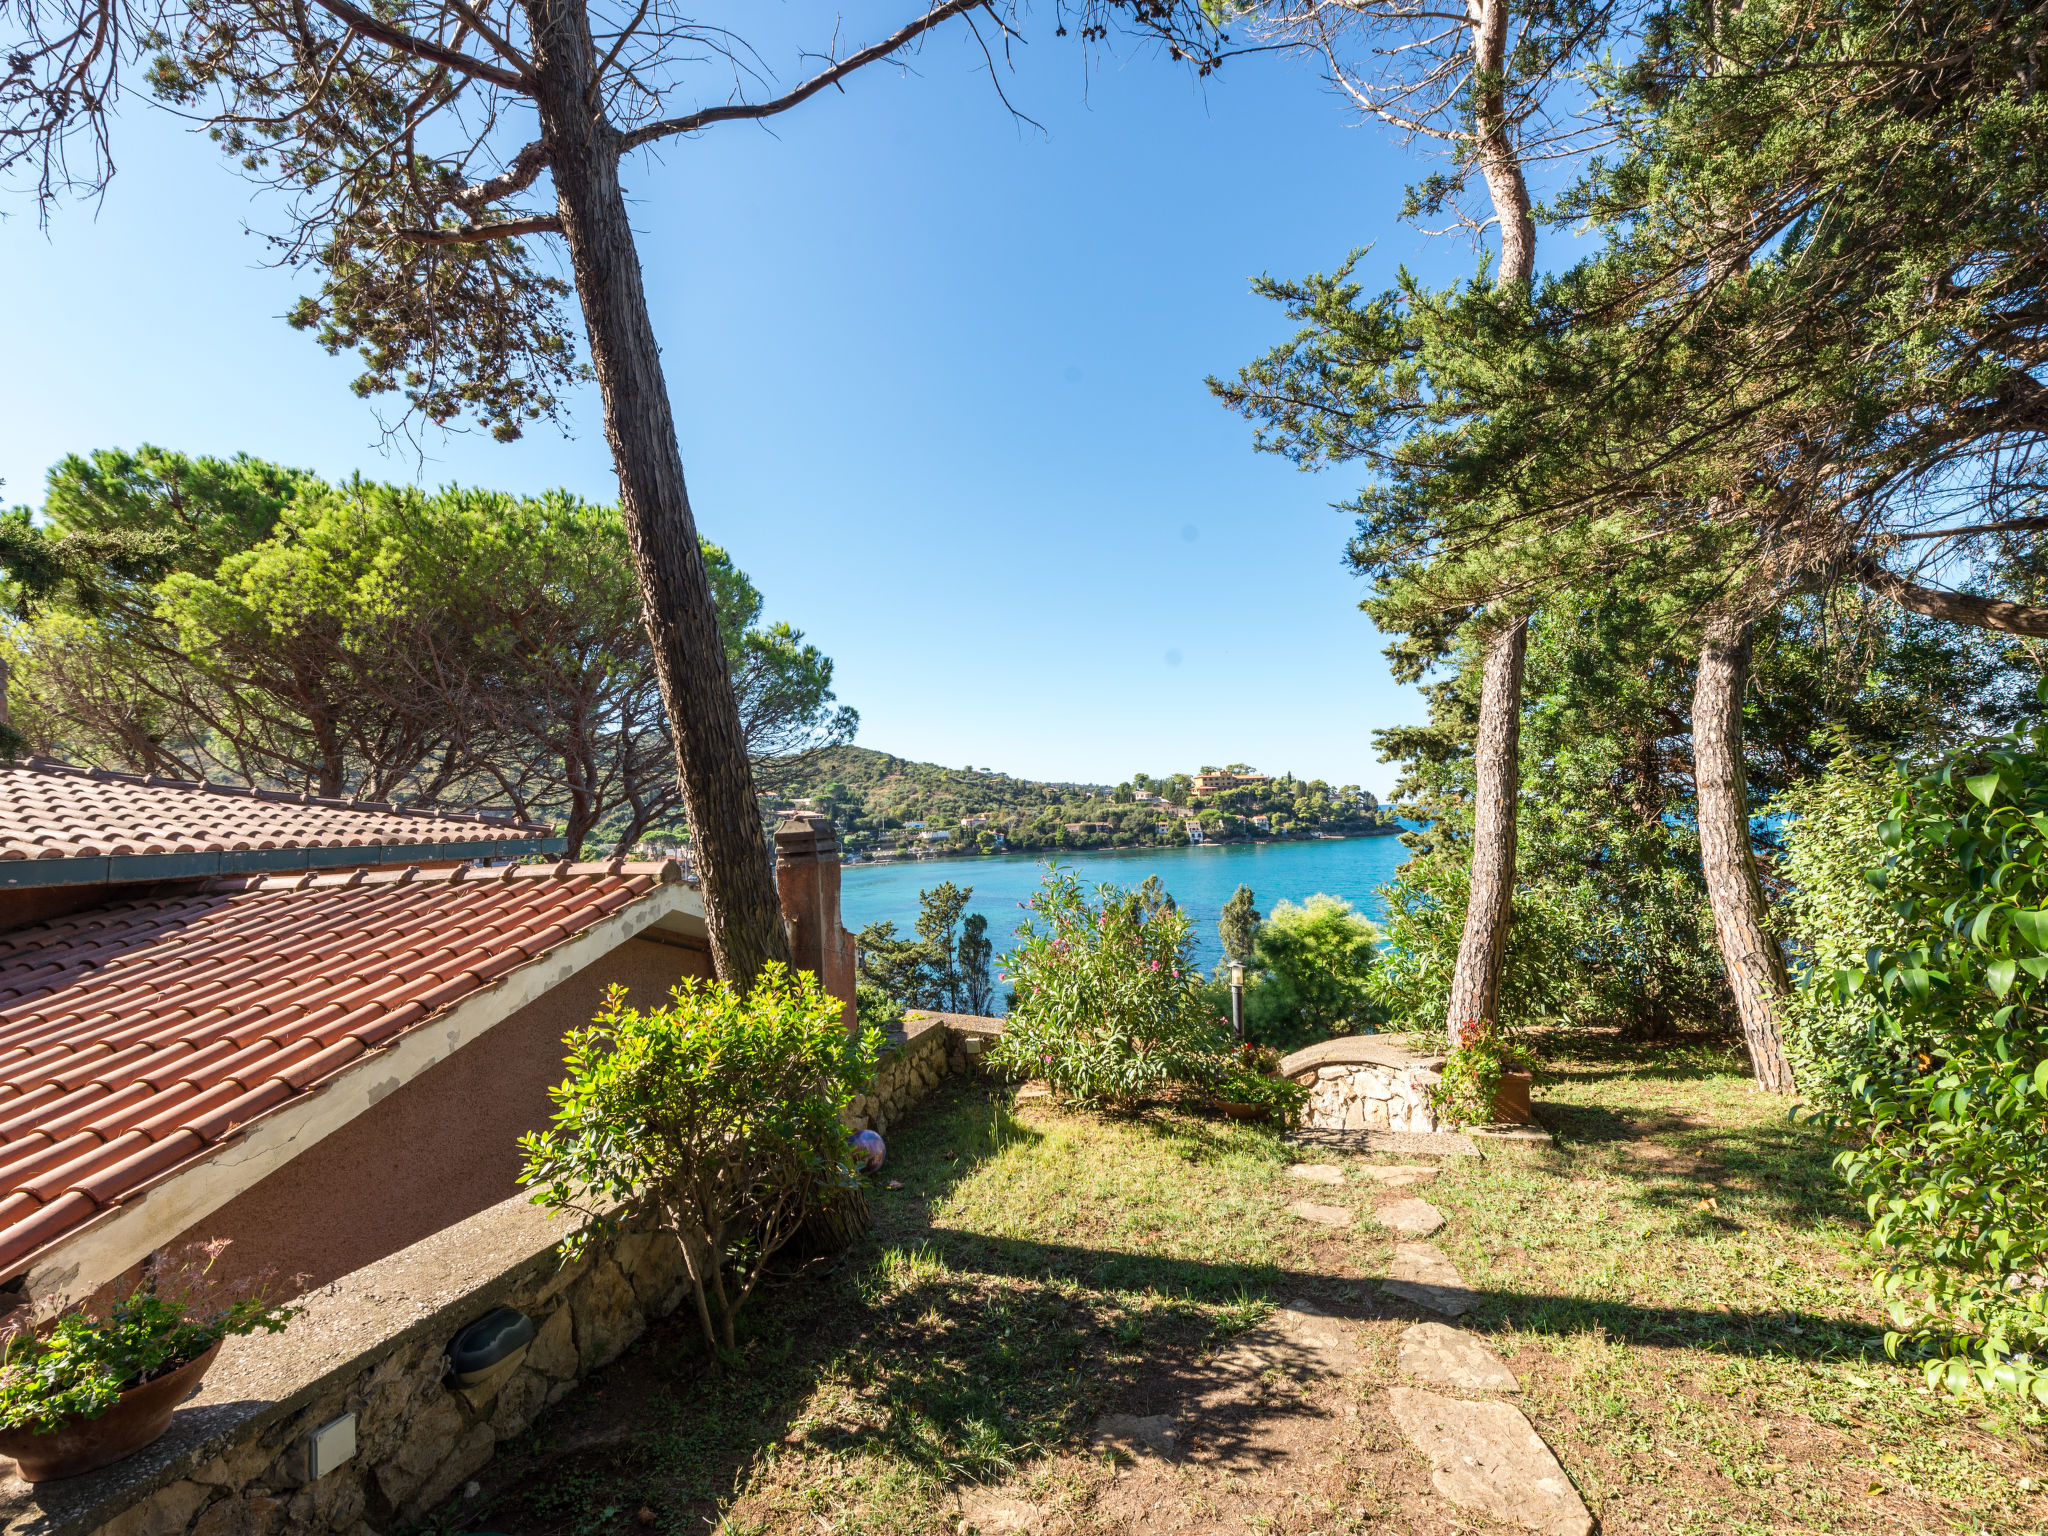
(1108,1006)
(874,799)
(715,1116)
(1830,917)
(1238,927)
(79,1367)
(945,968)
(1472,1074)
(1313,963)
(244,621)
(875,1009)
(1952,1094)
(1248,1078)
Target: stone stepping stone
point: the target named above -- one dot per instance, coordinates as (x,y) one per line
(1450,1357)
(1135,1436)
(1032,1091)
(1486,1457)
(1416,1217)
(984,1512)
(1397,1176)
(1297,1337)
(1322,1215)
(1420,1273)
(1319,1173)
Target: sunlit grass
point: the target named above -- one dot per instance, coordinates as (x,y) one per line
(1680,1284)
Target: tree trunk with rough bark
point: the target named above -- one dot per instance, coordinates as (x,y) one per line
(740,906)
(1497,768)
(1749,953)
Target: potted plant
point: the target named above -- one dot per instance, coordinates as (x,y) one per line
(1246,1085)
(89,1390)
(1483,1081)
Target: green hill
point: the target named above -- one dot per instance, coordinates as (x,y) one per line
(881,802)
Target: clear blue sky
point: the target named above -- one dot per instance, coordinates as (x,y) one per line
(938,375)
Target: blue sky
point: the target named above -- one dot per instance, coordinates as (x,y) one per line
(938,376)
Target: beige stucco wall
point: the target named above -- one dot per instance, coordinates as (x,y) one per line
(433,1151)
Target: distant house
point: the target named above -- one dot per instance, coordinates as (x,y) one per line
(915,825)
(1263,823)
(1144,797)
(1194,831)
(934,837)
(1216,783)
(976,821)
(1163,828)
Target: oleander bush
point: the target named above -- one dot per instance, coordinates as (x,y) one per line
(1107,1006)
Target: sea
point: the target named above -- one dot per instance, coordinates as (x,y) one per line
(1199,878)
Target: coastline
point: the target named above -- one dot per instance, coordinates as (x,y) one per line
(866,860)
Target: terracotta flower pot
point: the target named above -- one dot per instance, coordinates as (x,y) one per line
(1511,1100)
(82,1445)
(1242,1111)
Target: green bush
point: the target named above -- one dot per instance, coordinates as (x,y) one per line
(80,1367)
(1472,1075)
(874,1008)
(1312,965)
(1107,1006)
(715,1117)
(1951,1096)
(1829,918)
(1247,1076)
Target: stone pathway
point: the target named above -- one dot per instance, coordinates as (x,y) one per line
(1420,1273)
(1486,1456)
(1416,1217)
(1321,1215)
(1318,1173)
(1450,1357)
(1396,1175)
(1276,1424)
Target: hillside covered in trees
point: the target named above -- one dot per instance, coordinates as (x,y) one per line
(885,804)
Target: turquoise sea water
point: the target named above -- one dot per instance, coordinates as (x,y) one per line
(1201,879)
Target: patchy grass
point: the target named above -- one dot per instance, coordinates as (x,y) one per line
(1679,1284)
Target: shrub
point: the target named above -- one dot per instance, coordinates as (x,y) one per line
(1107,1006)
(80,1367)
(1312,962)
(1952,1091)
(1249,1076)
(716,1116)
(1829,918)
(875,1009)
(1472,1075)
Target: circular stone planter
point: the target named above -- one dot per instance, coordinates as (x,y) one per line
(82,1445)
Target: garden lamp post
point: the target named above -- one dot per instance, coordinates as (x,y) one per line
(1237,997)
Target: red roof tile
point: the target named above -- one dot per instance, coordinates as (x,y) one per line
(56,811)
(135,1036)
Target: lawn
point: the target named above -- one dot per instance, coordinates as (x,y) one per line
(1679,1284)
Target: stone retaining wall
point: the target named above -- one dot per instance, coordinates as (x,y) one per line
(1365,1083)
(934,1047)
(374,1343)
(1368,1098)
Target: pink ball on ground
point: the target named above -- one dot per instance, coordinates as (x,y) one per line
(869,1150)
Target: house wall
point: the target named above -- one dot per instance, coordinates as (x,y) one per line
(433,1151)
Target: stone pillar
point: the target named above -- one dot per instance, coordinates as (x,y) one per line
(807,879)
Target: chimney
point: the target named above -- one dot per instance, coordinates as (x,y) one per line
(807,881)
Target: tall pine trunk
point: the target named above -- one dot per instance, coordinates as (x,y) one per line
(1497,766)
(1749,953)
(740,905)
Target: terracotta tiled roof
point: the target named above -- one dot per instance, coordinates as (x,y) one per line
(135,1036)
(56,811)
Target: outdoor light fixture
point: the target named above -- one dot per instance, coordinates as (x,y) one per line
(1237,997)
